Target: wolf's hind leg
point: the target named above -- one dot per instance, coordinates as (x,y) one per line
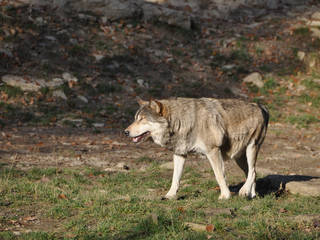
(248,189)
(243,164)
(217,164)
(178,162)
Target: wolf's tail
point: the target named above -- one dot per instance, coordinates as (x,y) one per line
(265,114)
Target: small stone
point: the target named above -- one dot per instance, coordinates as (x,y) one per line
(83,98)
(98,125)
(40,21)
(51,38)
(301,55)
(255,79)
(315,32)
(98,57)
(69,77)
(59,94)
(122,165)
(104,20)
(140,82)
(229,67)
(218,211)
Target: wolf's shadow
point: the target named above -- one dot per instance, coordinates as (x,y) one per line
(273,184)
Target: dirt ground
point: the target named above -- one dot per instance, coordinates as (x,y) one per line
(287,150)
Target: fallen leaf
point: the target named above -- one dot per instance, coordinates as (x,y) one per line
(210,228)
(30,219)
(283,210)
(62,196)
(181,209)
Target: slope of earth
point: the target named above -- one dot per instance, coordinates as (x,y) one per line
(85,75)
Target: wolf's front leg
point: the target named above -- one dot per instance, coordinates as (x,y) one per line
(216,161)
(178,162)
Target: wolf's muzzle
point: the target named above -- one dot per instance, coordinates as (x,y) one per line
(127,133)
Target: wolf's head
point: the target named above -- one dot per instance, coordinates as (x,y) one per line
(149,121)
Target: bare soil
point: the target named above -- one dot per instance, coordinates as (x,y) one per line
(287,150)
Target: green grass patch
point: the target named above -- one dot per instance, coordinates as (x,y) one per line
(11,91)
(302,121)
(92,204)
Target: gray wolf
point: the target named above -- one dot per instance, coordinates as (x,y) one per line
(218,128)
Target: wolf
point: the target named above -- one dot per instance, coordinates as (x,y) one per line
(220,129)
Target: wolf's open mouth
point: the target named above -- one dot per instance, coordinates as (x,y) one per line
(140,137)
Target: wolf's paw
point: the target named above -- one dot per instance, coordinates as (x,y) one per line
(225,195)
(169,197)
(244,192)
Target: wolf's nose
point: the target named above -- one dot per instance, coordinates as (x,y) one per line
(126,132)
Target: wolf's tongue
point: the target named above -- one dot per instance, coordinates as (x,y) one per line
(137,139)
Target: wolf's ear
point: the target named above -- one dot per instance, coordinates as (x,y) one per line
(158,107)
(141,102)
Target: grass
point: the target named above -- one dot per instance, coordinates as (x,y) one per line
(92,204)
(303,120)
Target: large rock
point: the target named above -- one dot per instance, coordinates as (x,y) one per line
(111,9)
(167,15)
(28,84)
(31,84)
(305,188)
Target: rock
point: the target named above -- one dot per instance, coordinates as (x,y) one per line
(28,84)
(301,55)
(167,165)
(255,79)
(196,227)
(140,82)
(69,77)
(167,15)
(51,38)
(237,92)
(122,165)
(305,188)
(83,98)
(54,83)
(316,16)
(98,125)
(313,23)
(40,21)
(272,4)
(6,52)
(315,32)
(59,94)
(229,66)
(98,57)
(200,227)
